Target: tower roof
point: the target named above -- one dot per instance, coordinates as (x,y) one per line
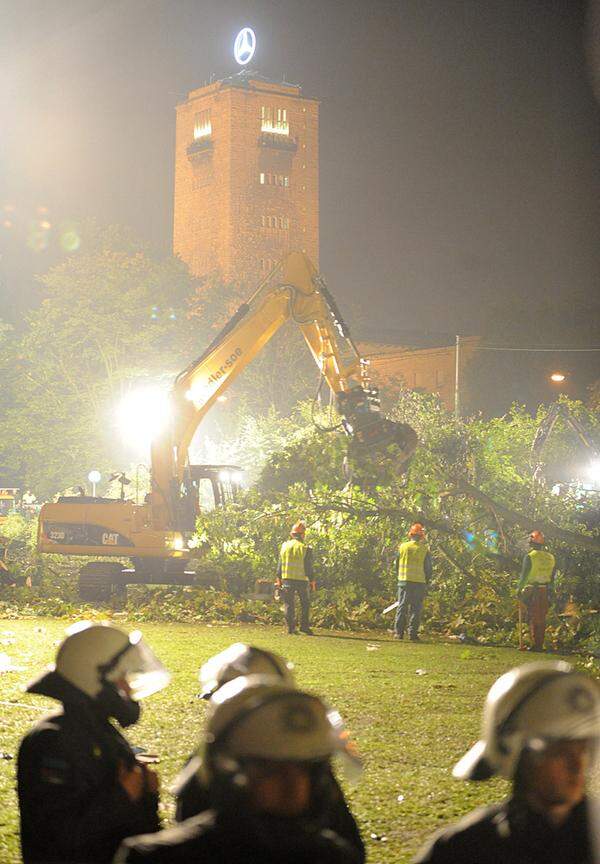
(250,79)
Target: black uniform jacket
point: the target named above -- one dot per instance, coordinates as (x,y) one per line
(213,838)
(512,833)
(72,808)
(193,798)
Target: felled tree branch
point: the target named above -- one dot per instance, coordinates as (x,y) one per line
(512,517)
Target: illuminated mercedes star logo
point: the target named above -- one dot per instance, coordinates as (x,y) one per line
(244,46)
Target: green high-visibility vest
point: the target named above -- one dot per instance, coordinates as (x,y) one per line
(293,553)
(411,558)
(542,565)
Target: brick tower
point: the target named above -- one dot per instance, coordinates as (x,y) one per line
(246,176)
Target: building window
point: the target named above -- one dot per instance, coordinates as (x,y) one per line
(274,120)
(280,223)
(266,178)
(202,125)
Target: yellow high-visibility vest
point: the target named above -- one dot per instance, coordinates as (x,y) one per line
(292,554)
(411,558)
(542,565)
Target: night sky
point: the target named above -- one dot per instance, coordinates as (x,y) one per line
(460,140)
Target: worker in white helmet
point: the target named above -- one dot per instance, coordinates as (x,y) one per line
(541,730)
(266,759)
(191,787)
(81,789)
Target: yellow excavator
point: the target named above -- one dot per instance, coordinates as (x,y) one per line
(153,535)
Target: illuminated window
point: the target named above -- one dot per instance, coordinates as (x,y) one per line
(268,179)
(274,120)
(202,127)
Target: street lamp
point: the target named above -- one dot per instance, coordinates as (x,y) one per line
(557,377)
(94,477)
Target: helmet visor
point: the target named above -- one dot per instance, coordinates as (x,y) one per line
(229,664)
(140,669)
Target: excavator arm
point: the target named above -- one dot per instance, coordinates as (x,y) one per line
(293,291)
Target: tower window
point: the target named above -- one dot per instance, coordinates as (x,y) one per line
(202,125)
(280,223)
(266,178)
(274,120)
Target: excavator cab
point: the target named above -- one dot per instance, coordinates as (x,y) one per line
(206,487)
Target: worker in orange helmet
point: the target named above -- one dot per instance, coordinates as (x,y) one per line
(413,563)
(537,573)
(295,576)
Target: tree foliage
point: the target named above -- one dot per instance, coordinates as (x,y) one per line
(471,485)
(110,317)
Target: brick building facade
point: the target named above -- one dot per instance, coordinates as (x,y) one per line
(431,370)
(246,177)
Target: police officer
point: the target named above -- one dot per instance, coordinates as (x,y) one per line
(295,576)
(266,759)
(80,788)
(413,563)
(537,574)
(191,786)
(541,730)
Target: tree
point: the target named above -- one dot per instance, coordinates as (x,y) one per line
(471,485)
(110,317)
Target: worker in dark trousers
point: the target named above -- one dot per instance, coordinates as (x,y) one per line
(191,787)
(81,789)
(295,577)
(541,730)
(534,586)
(413,564)
(266,758)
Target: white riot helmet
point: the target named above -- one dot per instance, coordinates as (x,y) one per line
(95,658)
(528,708)
(242,659)
(262,717)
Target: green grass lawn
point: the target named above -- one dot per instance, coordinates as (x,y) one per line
(410,727)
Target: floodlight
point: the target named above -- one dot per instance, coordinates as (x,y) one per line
(594,471)
(142,415)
